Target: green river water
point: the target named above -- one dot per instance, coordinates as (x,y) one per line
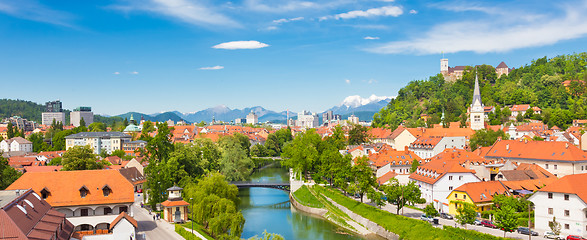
(269,209)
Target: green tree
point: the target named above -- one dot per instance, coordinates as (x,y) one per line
(430,211)
(400,195)
(244,142)
(486,138)
(259,150)
(465,213)
(160,173)
(357,135)
(554,226)
(97,127)
(506,219)
(376,197)
(235,164)
(363,176)
(80,158)
(55,161)
(82,122)
(268,236)
(303,153)
(39,144)
(7,174)
(148,128)
(215,202)
(10,131)
(415,165)
(125,122)
(58,140)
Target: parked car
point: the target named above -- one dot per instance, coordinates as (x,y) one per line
(526,231)
(551,235)
(487,223)
(426,218)
(477,222)
(445,216)
(575,237)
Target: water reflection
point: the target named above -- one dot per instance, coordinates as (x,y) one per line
(268,209)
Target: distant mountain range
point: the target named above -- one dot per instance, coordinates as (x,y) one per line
(364,108)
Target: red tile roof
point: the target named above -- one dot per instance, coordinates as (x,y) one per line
(386,177)
(125,216)
(482,191)
(42,168)
(64,186)
(393,157)
(537,150)
(168,203)
(520,108)
(426,173)
(571,184)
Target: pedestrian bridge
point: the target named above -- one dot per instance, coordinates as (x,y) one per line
(281,186)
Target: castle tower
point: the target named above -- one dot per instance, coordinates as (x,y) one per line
(477,115)
(444,66)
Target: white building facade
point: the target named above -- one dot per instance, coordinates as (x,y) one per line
(47,117)
(99,141)
(427,147)
(82,112)
(308,120)
(252,118)
(16,144)
(477,116)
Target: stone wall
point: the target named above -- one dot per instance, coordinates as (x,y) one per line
(371,226)
(311,210)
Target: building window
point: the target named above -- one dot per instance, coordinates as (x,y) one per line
(122,209)
(450,188)
(555,167)
(546,166)
(84,212)
(449,177)
(549,195)
(464,196)
(107,210)
(567,213)
(106,191)
(566,197)
(550,211)
(456,195)
(567,226)
(460,177)
(44,193)
(83,192)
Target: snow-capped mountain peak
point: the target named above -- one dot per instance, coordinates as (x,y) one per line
(357,101)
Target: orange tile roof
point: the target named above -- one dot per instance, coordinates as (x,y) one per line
(379,133)
(459,155)
(520,108)
(64,186)
(426,142)
(125,216)
(482,191)
(529,184)
(386,177)
(537,150)
(426,172)
(168,203)
(393,157)
(482,151)
(571,184)
(42,168)
(538,170)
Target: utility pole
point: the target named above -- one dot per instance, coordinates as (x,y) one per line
(529,221)
(192,202)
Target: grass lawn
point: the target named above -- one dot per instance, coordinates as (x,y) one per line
(405,227)
(306,198)
(199,228)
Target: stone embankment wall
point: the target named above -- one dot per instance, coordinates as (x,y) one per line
(371,226)
(311,210)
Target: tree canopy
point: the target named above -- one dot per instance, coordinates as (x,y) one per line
(80,158)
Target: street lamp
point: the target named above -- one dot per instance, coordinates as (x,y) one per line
(192,202)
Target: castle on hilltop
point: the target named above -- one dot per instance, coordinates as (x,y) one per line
(453,74)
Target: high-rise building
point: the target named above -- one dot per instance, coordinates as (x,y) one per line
(327,116)
(477,116)
(76,116)
(308,120)
(54,106)
(353,119)
(252,118)
(53,111)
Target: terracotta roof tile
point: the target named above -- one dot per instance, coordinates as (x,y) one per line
(64,186)
(482,191)
(168,203)
(433,171)
(571,184)
(537,150)
(120,217)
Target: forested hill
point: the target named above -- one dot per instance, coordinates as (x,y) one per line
(25,109)
(32,111)
(538,84)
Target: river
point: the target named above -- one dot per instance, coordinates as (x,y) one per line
(269,209)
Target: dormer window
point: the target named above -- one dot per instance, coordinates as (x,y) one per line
(45,193)
(106,190)
(83,191)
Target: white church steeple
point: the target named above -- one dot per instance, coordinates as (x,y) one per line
(477,115)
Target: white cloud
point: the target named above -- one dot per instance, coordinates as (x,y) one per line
(370,38)
(356,100)
(413,11)
(116,73)
(241,45)
(393,11)
(347,81)
(292,5)
(134,73)
(34,11)
(370,81)
(271,28)
(189,11)
(284,20)
(499,33)
(212,68)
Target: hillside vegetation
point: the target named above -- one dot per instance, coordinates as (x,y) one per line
(538,84)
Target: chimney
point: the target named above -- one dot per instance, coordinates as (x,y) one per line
(406,149)
(507,147)
(566,144)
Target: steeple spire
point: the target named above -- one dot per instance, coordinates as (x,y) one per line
(476,93)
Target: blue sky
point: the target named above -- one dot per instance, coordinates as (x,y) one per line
(188,55)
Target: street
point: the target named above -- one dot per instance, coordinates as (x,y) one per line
(154,230)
